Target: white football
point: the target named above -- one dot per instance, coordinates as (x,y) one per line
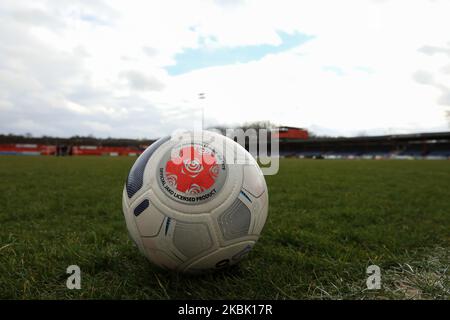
(194,202)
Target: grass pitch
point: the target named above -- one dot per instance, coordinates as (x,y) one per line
(328,221)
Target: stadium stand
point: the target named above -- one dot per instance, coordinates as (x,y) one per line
(74,146)
(294,144)
(405,146)
(292,133)
(27,149)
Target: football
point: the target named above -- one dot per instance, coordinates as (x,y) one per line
(195,202)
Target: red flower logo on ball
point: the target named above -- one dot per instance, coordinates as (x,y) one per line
(193,171)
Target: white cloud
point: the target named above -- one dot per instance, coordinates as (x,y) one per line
(98,66)
(98,126)
(139,81)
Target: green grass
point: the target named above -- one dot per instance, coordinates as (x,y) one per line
(328,221)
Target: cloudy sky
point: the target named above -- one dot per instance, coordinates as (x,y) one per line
(135,68)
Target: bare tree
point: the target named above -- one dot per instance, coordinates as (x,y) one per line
(265,124)
(247,125)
